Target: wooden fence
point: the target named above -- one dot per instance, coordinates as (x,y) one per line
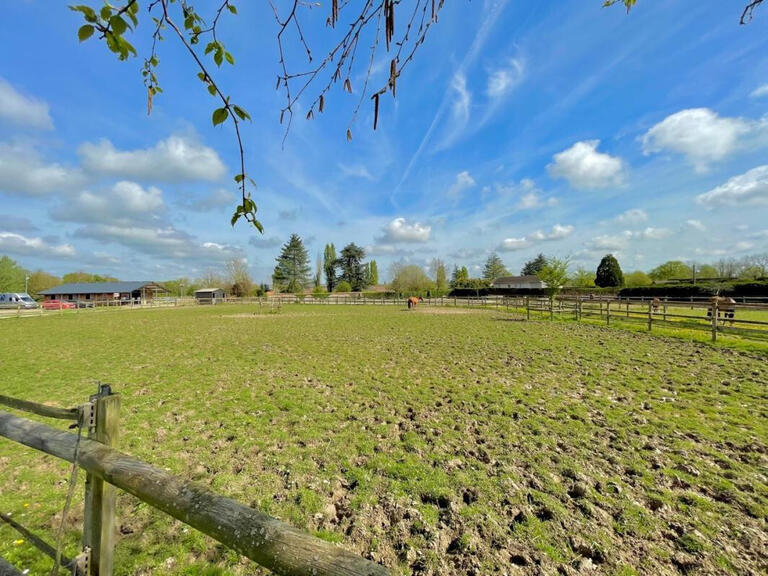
(265,540)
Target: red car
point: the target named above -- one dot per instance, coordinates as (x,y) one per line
(57,305)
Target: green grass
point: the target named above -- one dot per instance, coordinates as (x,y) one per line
(435,441)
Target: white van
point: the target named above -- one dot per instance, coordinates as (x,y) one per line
(16,300)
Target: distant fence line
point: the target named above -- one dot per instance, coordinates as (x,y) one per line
(254,534)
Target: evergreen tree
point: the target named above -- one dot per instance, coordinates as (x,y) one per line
(609,273)
(459,277)
(352,269)
(494,268)
(373,273)
(318,270)
(293,271)
(329,266)
(533,267)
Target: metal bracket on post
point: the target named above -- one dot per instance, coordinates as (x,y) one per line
(83,562)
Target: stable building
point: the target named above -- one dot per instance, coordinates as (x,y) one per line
(106,292)
(209,295)
(529,282)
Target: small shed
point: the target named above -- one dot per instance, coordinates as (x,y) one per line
(209,295)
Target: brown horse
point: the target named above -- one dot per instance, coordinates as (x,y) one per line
(412,301)
(655,304)
(725,305)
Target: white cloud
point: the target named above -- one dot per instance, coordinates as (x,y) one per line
(177,158)
(558,232)
(503,79)
(700,135)
(125,202)
(632,216)
(696,225)
(26,246)
(163,242)
(743,245)
(400,231)
(16,108)
(463,182)
(219,198)
(263,242)
(22,171)
(760,91)
(355,171)
(462,99)
(750,188)
(584,167)
(622,240)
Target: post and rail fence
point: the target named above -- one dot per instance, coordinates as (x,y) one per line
(266,540)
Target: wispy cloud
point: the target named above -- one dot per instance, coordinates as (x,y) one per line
(502,80)
(463,181)
(22,110)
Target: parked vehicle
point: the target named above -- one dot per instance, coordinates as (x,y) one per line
(58,305)
(16,300)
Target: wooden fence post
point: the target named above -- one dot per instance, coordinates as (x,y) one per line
(714,320)
(608,313)
(99,514)
(528,308)
(650,315)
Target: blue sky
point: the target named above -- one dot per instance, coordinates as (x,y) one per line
(521,127)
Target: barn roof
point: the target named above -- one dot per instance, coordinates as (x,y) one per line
(101,288)
(208,290)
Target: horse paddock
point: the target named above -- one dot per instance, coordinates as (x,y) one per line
(435,441)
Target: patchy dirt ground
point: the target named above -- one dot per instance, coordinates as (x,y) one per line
(433,442)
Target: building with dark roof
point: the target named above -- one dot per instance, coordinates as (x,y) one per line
(102,292)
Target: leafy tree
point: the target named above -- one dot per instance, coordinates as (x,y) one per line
(671,269)
(11,275)
(238,278)
(317,280)
(211,279)
(494,268)
(79,277)
(330,263)
(441,282)
(180,287)
(609,272)
(555,275)
(411,280)
(293,272)
(373,273)
(40,280)
(637,278)
(582,278)
(459,276)
(706,271)
(533,267)
(343,286)
(352,269)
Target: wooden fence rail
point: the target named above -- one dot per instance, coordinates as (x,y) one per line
(262,538)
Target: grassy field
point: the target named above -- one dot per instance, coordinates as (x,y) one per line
(439,441)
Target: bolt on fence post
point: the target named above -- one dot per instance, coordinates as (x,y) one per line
(99,514)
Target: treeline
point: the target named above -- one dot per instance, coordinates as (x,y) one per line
(15,278)
(342,272)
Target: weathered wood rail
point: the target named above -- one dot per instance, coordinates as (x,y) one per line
(258,536)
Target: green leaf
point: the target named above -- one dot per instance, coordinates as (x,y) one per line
(106,13)
(212,89)
(211,47)
(242,114)
(220,115)
(236,217)
(87,11)
(85,32)
(218,57)
(239,178)
(232,8)
(118,25)
(228,57)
